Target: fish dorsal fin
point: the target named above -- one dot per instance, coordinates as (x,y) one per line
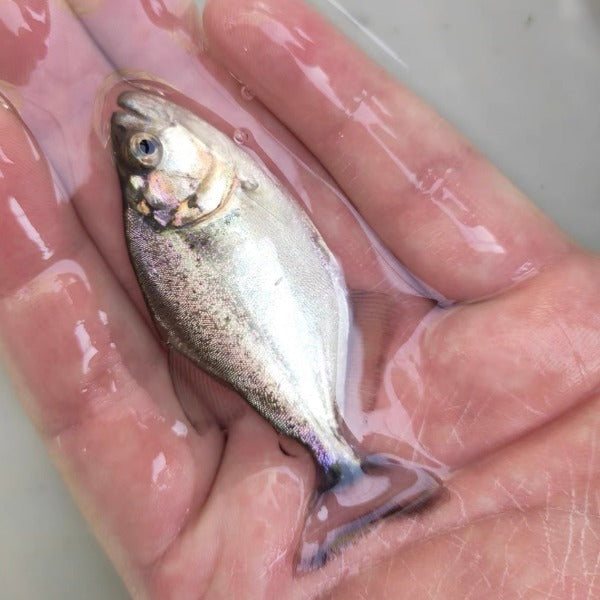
(375,319)
(205,400)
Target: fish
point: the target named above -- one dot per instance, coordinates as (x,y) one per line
(241,285)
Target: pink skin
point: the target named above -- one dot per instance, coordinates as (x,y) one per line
(506,389)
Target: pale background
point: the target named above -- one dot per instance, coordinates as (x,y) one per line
(521,78)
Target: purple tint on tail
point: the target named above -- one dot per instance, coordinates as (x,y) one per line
(386,485)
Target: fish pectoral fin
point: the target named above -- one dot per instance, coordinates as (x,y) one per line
(205,400)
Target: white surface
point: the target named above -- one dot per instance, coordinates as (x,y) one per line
(521,78)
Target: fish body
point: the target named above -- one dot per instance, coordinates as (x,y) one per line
(239,281)
(236,276)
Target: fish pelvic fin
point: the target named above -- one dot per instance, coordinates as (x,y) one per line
(384,485)
(206,401)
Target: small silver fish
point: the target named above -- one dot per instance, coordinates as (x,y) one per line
(240,282)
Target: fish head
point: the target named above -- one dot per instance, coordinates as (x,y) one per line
(167,172)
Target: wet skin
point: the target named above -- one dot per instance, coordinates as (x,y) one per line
(503,390)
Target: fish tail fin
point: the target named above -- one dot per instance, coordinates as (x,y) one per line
(381,485)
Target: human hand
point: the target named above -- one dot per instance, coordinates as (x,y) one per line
(504,391)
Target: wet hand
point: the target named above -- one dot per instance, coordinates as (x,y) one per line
(501,385)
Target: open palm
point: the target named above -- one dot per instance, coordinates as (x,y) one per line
(501,386)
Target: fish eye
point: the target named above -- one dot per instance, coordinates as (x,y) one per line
(145,149)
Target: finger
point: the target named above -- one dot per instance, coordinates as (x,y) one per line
(60,115)
(449,216)
(26,23)
(476,377)
(257,506)
(175,41)
(90,370)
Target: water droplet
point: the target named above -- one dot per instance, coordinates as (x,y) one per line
(86,346)
(247,93)
(159,464)
(28,228)
(240,136)
(180,429)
